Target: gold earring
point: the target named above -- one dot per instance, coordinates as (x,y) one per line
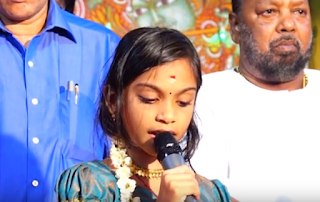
(113,117)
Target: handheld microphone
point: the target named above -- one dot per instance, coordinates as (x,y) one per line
(169,154)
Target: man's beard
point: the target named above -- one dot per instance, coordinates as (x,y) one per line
(274,67)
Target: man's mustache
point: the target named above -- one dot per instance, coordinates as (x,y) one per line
(285,40)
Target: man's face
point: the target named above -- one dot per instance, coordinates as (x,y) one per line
(275,37)
(20,10)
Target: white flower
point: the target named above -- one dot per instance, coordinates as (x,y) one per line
(123,172)
(127,187)
(127,161)
(116,161)
(122,152)
(126,184)
(122,162)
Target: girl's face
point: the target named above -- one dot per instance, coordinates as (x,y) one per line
(161,99)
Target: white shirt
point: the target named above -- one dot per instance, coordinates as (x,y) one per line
(263,145)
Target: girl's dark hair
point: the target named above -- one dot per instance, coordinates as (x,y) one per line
(139,51)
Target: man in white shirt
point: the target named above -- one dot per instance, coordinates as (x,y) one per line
(260,121)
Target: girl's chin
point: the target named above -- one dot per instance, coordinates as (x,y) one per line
(145,152)
(151,153)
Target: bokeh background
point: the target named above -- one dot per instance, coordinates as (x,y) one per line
(205,22)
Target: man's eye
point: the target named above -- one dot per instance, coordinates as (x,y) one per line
(268,12)
(301,12)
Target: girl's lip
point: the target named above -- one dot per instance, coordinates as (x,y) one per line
(156,132)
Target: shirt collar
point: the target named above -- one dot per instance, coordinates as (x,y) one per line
(55,21)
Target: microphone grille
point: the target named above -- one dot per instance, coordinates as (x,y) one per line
(164,140)
(165,144)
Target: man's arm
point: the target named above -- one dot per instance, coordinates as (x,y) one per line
(234,200)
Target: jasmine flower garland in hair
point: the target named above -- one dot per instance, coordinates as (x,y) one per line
(122,162)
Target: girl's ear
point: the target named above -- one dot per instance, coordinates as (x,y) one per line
(110,99)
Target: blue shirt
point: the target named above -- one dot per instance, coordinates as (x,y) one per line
(43,131)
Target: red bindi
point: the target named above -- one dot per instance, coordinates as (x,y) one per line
(172,79)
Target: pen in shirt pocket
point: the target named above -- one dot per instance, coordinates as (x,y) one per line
(73,88)
(70,89)
(76,93)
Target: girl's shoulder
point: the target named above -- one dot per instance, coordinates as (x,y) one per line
(87,181)
(213,190)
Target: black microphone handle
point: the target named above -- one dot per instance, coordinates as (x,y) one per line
(190,199)
(172,161)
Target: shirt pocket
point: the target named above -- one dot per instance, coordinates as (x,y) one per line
(75,152)
(77,136)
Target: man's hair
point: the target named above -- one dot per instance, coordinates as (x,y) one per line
(236,6)
(69,5)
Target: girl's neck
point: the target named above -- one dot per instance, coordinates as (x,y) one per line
(146,161)
(142,159)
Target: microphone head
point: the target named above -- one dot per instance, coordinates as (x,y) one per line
(165,144)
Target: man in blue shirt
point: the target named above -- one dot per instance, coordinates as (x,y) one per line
(51,68)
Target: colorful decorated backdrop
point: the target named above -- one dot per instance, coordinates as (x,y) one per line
(205,22)
(315,14)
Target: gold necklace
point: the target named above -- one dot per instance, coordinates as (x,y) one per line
(304,81)
(142,172)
